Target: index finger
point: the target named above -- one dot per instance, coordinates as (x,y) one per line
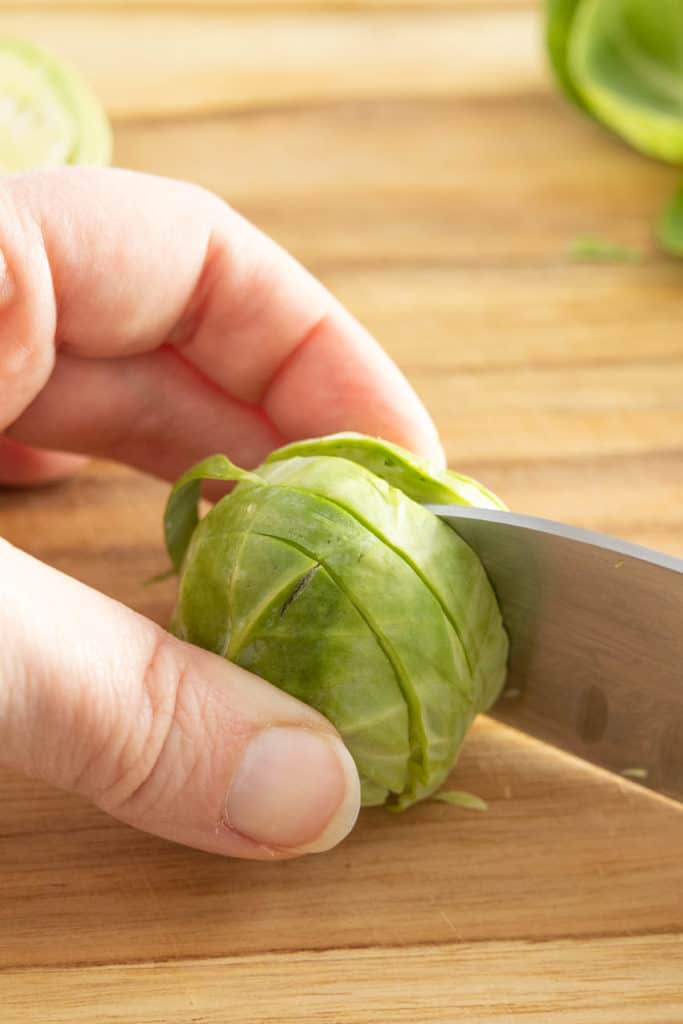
(104,268)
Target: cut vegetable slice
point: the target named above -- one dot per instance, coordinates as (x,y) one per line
(458,798)
(48,114)
(626,61)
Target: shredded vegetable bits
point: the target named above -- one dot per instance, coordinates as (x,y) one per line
(458,798)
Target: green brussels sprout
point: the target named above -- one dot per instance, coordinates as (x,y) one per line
(621,62)
(323,573)
(49,116)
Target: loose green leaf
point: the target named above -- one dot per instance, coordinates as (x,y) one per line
(670,227)
(458,798)
(319,575)
(414,476)
(182,510)
(593,249)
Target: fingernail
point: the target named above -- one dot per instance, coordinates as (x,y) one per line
(294,789)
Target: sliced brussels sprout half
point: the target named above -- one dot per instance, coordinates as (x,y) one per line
(49,116)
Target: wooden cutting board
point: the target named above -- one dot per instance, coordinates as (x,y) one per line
(414,156)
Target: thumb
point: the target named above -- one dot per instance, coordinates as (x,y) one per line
(162,735)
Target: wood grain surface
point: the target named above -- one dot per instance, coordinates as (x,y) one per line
(416,158)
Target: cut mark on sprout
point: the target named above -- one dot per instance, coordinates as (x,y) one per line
(299,588)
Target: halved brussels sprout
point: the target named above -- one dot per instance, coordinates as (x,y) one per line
(48,114)
(621,61)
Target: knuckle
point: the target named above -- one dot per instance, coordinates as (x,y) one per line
(27,350)
(159,753)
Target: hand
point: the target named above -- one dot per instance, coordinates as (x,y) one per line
(144,320)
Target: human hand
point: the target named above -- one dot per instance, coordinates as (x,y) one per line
(143,320)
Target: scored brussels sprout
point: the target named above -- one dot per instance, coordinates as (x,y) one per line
(323,573)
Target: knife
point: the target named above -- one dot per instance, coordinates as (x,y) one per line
(596,641)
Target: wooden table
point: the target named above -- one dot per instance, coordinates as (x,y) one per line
(415,157)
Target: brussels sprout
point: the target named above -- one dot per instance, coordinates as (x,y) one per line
(626,61)
(323,573)
(48,114)
(621,61)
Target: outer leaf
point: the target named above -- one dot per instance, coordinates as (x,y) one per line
(182,508)
(626,60)
(670,227)
(414,476)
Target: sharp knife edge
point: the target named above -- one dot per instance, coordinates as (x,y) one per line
(596,641)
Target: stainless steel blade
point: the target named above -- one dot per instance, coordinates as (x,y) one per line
(596,641)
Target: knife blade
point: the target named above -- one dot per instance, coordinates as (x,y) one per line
(596,641)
